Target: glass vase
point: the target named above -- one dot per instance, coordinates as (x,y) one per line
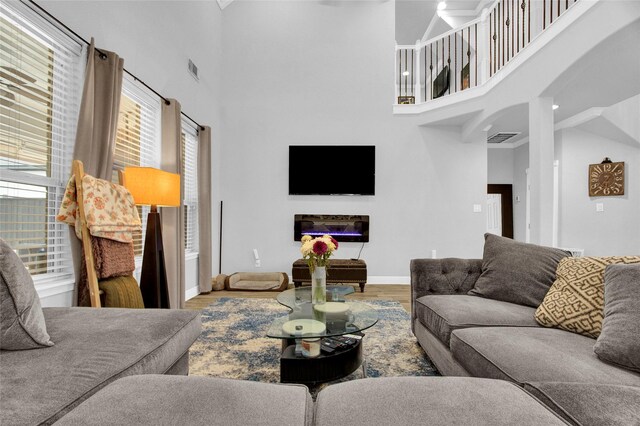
(319,285)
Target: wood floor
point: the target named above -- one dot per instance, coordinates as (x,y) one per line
(398,292)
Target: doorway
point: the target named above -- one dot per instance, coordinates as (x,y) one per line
(500,209)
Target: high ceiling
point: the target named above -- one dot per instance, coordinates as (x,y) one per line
(414,16)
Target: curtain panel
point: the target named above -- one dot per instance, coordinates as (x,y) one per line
(173,217)
(204,210)
(96,132)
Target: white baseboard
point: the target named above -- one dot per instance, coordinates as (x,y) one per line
(383,279)
(191,293)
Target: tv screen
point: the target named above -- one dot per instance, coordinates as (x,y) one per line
(332,170)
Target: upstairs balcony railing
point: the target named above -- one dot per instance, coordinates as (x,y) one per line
(468,56)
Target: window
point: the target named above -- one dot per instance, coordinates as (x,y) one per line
(137,140)
(190,177)
(40,84)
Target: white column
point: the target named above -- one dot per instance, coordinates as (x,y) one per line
(541,159)
(397,80)
(417,86)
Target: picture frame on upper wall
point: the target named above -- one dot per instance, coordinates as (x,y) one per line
(464,78)
(406,100)
(606,179)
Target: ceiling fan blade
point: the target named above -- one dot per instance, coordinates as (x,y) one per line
(26,77)
(32,93)
(7,102)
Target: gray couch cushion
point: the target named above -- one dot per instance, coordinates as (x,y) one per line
(442,314)
(93,348)
(619,341)
(175,400)
(527,354)
(516,272)
(590,404)
(22,324)
(431,401)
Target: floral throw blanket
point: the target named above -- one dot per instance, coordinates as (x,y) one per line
(109,209)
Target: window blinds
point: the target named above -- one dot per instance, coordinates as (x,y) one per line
(137,140)
(40,84)
(190,177)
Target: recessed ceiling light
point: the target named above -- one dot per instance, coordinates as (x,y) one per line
(555,107)
(442,5)
(405,73)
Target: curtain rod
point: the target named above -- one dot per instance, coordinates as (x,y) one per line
(78,36)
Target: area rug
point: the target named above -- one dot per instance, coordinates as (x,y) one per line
(233,343)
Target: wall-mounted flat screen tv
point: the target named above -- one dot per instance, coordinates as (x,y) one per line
(332,169)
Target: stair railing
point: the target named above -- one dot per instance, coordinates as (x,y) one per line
(468,56)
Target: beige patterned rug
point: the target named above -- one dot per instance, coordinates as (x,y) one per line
(233,343)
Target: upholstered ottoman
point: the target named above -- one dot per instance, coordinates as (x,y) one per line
(340,271)
(177,400)
(430,401)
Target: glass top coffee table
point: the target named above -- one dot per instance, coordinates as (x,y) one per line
(337,317)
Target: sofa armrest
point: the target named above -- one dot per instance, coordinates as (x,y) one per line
(442,276)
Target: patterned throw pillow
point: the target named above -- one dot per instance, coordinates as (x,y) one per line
(575,301)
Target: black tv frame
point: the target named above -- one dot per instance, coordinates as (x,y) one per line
(327,166)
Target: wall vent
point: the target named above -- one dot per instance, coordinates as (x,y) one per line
(502,137)
(193,69)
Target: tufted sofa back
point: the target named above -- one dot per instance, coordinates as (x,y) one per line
(442,276)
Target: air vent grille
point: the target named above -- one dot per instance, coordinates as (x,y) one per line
(193,69)
(502,137)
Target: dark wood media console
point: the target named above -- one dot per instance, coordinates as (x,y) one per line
(340,271)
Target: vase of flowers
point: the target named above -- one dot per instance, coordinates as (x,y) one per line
(319,285)
(317,251)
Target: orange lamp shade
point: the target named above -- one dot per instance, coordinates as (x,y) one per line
(152,187)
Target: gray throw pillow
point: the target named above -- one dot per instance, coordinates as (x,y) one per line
(619,341)
(21,320)
(516,272)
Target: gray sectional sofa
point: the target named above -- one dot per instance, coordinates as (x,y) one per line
(93,347)
(123,366)
(468,335)
(127,366)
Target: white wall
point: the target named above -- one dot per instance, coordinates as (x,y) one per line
(500,165)
(191,276)
(156,39)
(616,231)
(318,73)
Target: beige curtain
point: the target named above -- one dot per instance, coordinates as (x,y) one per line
(204,210)
(173,217)
(97,125)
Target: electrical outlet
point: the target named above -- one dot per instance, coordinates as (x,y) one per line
(477,208)
(257,263)
(599,207)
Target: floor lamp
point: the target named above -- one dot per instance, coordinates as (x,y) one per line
(153,187)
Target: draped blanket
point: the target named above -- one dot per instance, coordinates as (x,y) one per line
(109,209)
(110,259)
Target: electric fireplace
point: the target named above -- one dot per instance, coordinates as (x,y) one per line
(343,228)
